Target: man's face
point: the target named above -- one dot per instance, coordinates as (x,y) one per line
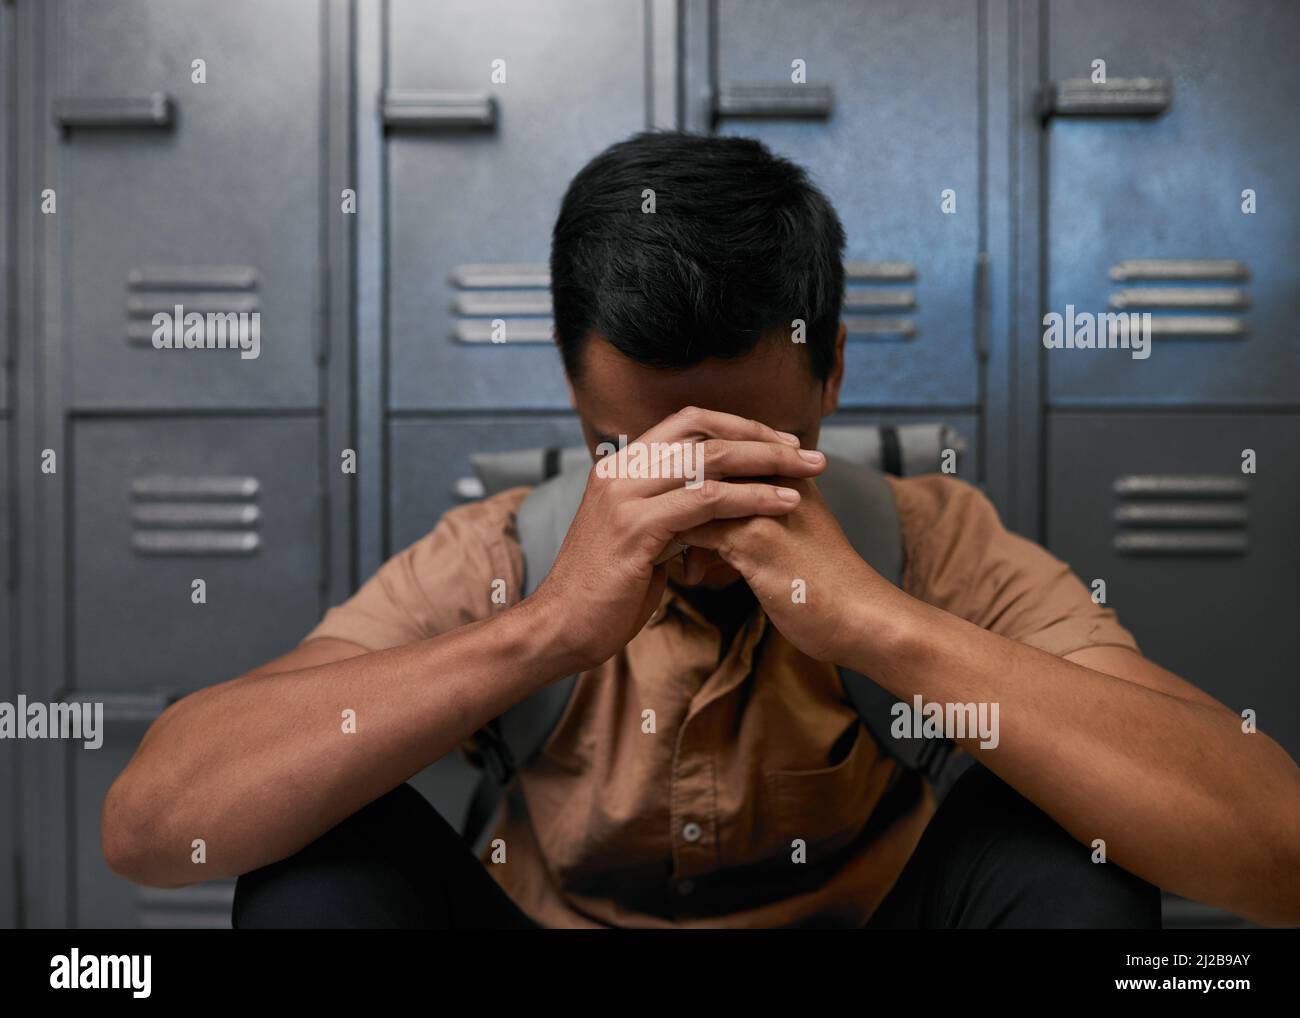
(773,384)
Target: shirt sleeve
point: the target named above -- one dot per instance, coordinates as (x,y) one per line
(959,557)
(468,567)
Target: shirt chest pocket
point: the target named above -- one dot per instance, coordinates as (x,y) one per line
(826,807)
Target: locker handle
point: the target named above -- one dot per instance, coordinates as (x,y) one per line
(784,100)
(438,110)
(1119,97)
(154,110)
(122,706)
(468,489)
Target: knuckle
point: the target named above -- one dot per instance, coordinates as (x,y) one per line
(710,491)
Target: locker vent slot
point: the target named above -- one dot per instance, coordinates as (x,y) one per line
(195,515)
(518,295)
(773,100)
(876,300)
(1159,298)
(201,906)
(1181,514)
(124,706)
(1119,97)
(206,289)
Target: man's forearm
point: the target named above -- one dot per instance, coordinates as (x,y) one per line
(1181,797)
(260,766)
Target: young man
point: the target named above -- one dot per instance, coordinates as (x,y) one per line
(756,797)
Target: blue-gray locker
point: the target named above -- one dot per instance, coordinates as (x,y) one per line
(9,798)
(887,121)
(1199,557)
(171,192)
(7,188)
(160,504)
(8,749)
(490,107)
(1150,178)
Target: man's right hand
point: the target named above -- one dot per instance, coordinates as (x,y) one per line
(609,574)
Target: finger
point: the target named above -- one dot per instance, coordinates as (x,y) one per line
(683,508)
(656,465)
(697,422)
(672,550)
(726,458)
(695,563)
(707,537)
(653,595)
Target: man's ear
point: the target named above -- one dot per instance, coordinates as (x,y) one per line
(573,397)
(831,387)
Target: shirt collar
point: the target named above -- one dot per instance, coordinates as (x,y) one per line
(673,602)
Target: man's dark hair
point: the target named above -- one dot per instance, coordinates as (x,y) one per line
(740,244)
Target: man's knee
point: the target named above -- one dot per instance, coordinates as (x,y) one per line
(371,870)
(1027,871)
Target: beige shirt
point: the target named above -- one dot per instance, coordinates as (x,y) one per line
(755,746)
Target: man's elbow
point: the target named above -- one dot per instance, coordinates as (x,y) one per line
(127,839)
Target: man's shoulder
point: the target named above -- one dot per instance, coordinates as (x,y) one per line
(489,517)
(467,565)
(925,500)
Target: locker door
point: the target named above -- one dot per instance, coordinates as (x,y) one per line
(886,122)
(7,186)
(159,503)
(1200,559)
(476,173)
(174,193)
(8,690)
(1145,209)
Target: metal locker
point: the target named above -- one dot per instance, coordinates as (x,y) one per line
(431,467)
(158,503)
(8,686)
(7,188)
(207,196)
(886,122)
(1146,180)
(1200,559)
(476,170)
(103,899)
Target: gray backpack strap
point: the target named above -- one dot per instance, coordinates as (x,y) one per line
(518,734)
(863,504)
(903,450)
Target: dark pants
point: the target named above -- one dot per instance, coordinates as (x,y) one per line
(989,858)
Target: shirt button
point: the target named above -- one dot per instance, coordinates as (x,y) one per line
(685,886)
(692,831)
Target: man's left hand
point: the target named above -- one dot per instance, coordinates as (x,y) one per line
(812,584)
